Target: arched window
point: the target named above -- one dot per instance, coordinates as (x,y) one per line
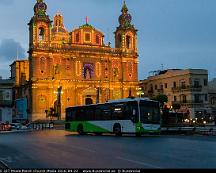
(77,37)
(97,39)
(42,64)
(87,37)
(128,42)
(119,40)
(41,34)
(183,98)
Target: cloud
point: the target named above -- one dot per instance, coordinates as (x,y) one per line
(10,49)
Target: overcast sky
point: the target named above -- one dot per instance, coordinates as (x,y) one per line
(171,33)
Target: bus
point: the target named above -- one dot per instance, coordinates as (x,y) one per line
(130,115)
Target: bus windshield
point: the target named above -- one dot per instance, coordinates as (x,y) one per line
(149,112)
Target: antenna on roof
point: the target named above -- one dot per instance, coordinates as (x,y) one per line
(108,35)
(162,67)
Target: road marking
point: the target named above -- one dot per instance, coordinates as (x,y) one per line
(3,165)
(6,159)
(138,162)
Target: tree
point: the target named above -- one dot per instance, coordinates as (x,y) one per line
(176,106)
(162,99)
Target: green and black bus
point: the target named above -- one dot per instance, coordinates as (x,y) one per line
(130,115)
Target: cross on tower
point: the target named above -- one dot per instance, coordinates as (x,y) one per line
(87,19)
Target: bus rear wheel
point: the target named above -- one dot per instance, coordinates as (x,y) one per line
(117,130)
(80,129)
(138,134)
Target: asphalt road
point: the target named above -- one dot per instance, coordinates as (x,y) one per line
(60,149)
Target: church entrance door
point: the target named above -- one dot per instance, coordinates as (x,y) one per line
(88,101)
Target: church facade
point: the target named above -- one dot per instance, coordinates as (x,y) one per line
(69,68)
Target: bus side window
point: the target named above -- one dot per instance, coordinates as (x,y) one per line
(98,114)
(106,112)
(80,115)
(133,117)
(133,111)
(117,112)
(90,114)
(72,115)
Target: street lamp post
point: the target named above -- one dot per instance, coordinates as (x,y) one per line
(140,92)
(59,102)
(98,95)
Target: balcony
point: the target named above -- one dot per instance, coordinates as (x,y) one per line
(160,91)
(150,91)
(190,103)
(190,88)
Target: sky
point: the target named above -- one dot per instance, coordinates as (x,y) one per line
(171,33)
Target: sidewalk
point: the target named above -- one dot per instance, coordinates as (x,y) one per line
(16,131)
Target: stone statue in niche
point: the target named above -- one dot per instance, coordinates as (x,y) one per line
(57,69)
(87,73)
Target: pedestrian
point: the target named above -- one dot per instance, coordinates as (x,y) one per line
(165,116)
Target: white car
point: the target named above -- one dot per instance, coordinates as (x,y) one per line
(18,126)
(15,126)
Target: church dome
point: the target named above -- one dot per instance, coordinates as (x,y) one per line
(87,35)
(125,18)
(59,29)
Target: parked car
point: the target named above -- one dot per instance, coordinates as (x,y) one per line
(16,126)
(5,126)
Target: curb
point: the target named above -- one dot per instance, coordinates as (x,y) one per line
(15,131)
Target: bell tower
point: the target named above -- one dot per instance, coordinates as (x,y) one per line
(39,25)
(125,34)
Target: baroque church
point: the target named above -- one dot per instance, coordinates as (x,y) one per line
(69,68)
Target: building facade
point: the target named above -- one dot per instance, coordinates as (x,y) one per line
(20,76)
(189,88)
(68,68)
(212,96)
(6,100)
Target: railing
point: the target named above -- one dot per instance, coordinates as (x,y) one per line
(189,130)
(80,48)
(189,102)
(150,91)
(160,91)
(187,88)
(42,125)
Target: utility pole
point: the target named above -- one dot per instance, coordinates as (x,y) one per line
(59,102)
(98,95)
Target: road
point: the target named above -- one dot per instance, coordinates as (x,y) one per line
(60,149)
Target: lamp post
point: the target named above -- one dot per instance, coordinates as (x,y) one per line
(140,92)
(98,95)
(59,90)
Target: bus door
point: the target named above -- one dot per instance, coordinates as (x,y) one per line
(150,115)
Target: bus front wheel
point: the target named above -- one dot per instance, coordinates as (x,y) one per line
(80,129)
(117,130)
